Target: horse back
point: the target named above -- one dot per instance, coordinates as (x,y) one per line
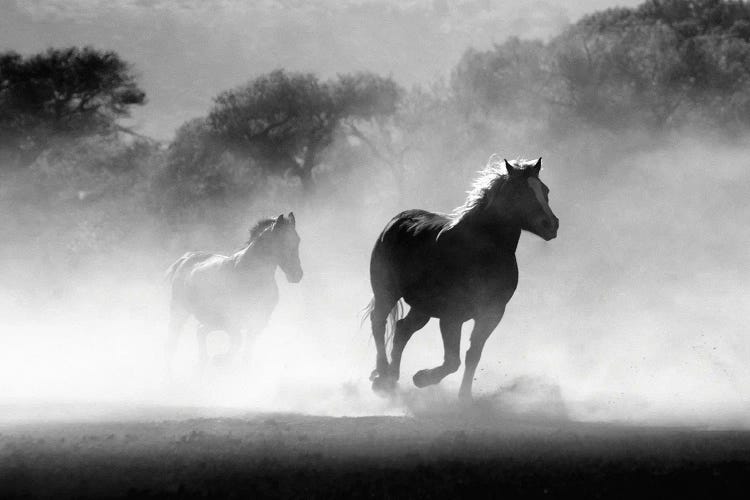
(454,274)
(405,247)
(179,273)
(185,262)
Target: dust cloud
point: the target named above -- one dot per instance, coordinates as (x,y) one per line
(635,313)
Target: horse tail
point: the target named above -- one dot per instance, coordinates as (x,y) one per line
(171,270)
(397,312)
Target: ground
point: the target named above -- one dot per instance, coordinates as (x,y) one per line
(450,454)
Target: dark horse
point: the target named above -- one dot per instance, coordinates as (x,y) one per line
(235,292)
(455,267)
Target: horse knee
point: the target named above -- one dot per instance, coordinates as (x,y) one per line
(452,364)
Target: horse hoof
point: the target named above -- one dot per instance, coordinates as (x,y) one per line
(374,375)
(465,398)
(384,385)
(422,378)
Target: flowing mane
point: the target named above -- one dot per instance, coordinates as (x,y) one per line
(258,229)
(489,180)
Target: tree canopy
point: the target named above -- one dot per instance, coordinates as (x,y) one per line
(285,121)
(62,93)
(663,63)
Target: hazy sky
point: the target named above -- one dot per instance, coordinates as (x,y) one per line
(186,51)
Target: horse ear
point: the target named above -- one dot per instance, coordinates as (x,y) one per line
(510,168)
(291,218)
(537,167)
(279,219)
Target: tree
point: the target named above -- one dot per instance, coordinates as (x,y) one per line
(287,120)
(62,94)
(509,79)
(422,119)
(200,168)
(660,64)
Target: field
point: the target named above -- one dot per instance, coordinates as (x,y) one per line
(167,453)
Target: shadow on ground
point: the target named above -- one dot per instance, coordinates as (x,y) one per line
(440,450)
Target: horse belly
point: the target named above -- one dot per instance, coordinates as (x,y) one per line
(461,295)
(440,299)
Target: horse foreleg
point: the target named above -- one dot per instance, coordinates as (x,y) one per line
(252,332)
(483,327)
(405,328)
(450,330)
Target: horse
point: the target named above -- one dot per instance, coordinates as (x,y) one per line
(454,267)
(229,293)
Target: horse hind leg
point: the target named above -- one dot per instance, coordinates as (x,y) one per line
(382,306)
(201,335)
(450,330)
(235,343)
(405,328)
(177,318)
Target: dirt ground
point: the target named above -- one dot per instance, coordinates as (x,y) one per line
(425,456)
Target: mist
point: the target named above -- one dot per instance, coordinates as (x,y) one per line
(636,313)
(189,51)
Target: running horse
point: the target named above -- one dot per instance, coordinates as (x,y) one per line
(236,292)
(455,267)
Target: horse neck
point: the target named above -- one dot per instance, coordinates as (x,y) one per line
(502,232)
(256,257)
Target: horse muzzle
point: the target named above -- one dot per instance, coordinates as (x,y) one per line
(548,228)
(294,277)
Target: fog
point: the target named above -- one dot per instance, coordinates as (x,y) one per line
(187,51)
(636,313)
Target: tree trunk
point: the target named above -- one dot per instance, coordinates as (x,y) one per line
(308,163)
(305,176)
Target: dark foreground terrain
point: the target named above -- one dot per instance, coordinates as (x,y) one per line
(284,455)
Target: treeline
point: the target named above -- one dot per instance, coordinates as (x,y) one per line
(660,66)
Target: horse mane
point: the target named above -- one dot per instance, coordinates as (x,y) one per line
(258,229)
(486,184)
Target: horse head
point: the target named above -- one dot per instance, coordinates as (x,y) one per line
(287,247)
(525,198)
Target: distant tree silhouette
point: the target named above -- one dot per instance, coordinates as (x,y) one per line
(285,121)
(661,64)
(62,94)
(200,167)
(508,78)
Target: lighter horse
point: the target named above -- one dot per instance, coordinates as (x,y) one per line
(235,292)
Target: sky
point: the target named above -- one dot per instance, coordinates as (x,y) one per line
(187,51)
